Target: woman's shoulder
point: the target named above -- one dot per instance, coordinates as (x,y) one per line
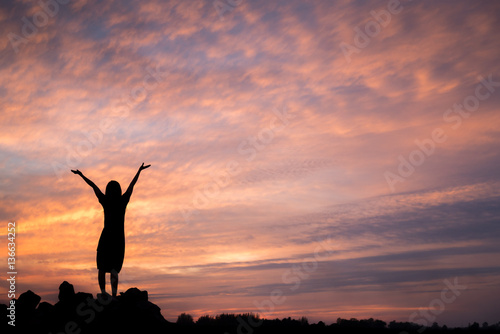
(125,198)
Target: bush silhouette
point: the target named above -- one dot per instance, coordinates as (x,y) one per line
(185,319)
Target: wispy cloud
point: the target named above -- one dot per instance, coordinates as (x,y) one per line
(184,89)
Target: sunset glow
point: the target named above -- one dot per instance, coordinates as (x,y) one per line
(342,154)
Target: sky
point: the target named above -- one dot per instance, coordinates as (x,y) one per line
(308,158)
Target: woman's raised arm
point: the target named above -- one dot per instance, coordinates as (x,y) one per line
(97,191)
(134,181)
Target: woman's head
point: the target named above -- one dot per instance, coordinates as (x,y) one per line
(113,189)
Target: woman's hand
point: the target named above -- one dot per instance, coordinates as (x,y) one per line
(144,167)
(77,172)
(134,180)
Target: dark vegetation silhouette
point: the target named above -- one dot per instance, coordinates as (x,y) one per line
(132,312)
(111,247)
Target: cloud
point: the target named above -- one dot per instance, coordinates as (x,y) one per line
(183,90)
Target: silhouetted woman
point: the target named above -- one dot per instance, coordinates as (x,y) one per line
(111,247)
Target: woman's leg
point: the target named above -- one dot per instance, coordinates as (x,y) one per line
(102,280)
(114,282)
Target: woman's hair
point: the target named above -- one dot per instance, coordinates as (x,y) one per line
(113,189)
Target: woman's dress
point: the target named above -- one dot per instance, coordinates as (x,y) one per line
(111,247)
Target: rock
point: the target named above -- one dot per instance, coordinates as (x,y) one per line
(66,292)
(44,316)
(28,301)
(80,313)
(81,297)
(25,310)
(3,313)
(45,307)
(134,295)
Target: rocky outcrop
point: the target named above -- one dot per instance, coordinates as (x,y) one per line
(131,312)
